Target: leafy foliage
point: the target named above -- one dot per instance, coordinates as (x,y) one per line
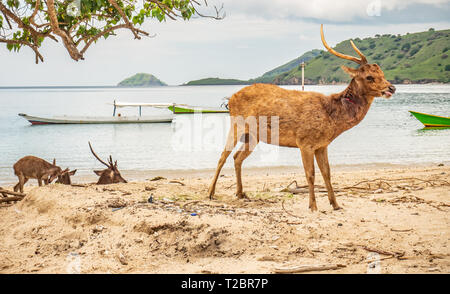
(80,23)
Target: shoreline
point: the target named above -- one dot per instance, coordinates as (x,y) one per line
(145,175)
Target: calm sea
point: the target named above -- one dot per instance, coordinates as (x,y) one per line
(388,134)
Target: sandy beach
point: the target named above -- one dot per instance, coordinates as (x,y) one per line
(394,220)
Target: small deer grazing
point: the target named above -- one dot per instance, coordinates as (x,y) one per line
(31,167)
(309,121)
(111,175)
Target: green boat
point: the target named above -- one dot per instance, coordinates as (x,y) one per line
(430,120)
(186,109)
(173,107)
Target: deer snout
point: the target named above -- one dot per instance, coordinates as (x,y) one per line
(392,89)
(389,92)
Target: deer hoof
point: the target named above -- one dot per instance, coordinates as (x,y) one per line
(337,207)
(242,196)
(313,208)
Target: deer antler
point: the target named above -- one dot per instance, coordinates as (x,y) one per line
(360,61)
(97,156)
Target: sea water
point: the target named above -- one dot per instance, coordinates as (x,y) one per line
(388,134)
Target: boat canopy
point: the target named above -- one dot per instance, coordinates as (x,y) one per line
(134,104)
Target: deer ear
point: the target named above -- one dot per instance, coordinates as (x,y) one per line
(72,172)
(351,71)
(98,172)
(54,161)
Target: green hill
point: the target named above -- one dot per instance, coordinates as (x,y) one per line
(411,58)
(141,80)
(216,81)
(269,76)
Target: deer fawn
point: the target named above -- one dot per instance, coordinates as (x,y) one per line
(31,167)
(111,175)
(309,121)
(64,178)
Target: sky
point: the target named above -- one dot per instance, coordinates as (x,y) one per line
(254,37)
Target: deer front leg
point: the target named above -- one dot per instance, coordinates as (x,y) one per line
(21,182)
(308,165)
(322,162)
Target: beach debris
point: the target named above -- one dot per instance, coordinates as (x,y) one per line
(80,185)
(194,214)
(308,268)
(387,185)
(282,205)
(398,255)
(418,200)
(440,164)
(157,179)
(165,199)
(177,182)
(118,208)
(304,189)
(116,203)
(98,229)
(122,259)
(147,188)
(16,196)
(401,230)
(150,199)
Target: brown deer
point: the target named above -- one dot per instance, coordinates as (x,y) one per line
(111,175)
(309,121)
(64,178)
(31,167)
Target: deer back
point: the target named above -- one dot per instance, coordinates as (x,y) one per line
(35,167)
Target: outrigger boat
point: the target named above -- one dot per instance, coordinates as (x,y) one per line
(114,119)
(431,121)
(119,119)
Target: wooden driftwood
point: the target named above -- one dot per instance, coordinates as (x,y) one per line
(308,268)
(305,189)
(15,196)
(3,192)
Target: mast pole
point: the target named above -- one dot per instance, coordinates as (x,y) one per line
(303,76)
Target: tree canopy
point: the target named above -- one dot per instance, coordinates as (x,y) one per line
(80,23)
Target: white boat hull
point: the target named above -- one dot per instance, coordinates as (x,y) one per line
(35,120)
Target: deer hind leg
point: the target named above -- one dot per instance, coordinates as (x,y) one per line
(244,151)
(231,143)
(322,162)
(308,165)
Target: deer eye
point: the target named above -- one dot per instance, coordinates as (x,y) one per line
(370,79)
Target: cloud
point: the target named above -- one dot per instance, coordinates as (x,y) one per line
(342,11)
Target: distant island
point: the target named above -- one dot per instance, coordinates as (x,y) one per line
(142,80)
(216,81)
(412,58)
